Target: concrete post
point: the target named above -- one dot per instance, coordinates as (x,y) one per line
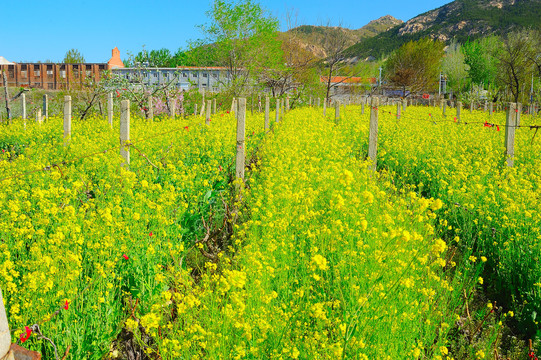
(125,130)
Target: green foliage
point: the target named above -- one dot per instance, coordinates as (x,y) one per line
(415,65)
(73,56)
(479,55)
(242,37)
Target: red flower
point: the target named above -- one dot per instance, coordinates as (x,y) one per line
(186,128)
(125,256)
(455,118)
(220,168)
(117,93)
(26,335)
(145,108)
(497,127)
(66,305)
(429,114)
(227,111)
(151,233)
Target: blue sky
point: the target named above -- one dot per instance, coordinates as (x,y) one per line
(38,30)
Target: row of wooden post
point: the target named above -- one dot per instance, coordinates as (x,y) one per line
(513,119)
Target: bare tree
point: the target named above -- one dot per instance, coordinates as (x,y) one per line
(335,42)
(516,64)
(296,70)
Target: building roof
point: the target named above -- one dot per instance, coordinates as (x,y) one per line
(3,61)
(347,80)
(202,68)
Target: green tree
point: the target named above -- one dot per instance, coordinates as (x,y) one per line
(479,55)
(73,56)
(415,65)
(242,37)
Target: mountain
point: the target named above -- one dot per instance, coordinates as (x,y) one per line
(460,20)
(311,37)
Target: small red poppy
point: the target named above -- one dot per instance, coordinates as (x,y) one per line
(151,233)
(186,128)
(497,127)
(220,168)
(66,305)
(126,257)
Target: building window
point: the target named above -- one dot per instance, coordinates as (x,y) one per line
(155,75)
(36,73)
(63,74)
(184,75)
(10,73)
(23,73)
(51,86)
(194,75)
(49,73)
(215,76)
(36,84)
(205,75)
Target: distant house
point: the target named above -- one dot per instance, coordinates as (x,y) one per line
(347,84)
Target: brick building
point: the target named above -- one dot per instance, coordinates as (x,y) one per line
(53,76)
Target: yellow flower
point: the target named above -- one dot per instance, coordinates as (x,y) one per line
(320,262)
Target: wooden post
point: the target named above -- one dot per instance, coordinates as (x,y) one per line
(5,335)
(373,137)
(458,107)
(325,107)
(150,109)
(38,116)
(490,108)
(277,110)
(6,94)
(241,124)
(202,108)
(23,106)
(125,130)
(110,109)
(267,111)
(173,113)
(471,106)
(214,106)
(337,111)
(209,108)
(519,111)
(404,104)
(444,107)
(397,111)
(46,107)
(510,126)
(195,110)
(310,102)
(67,119)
